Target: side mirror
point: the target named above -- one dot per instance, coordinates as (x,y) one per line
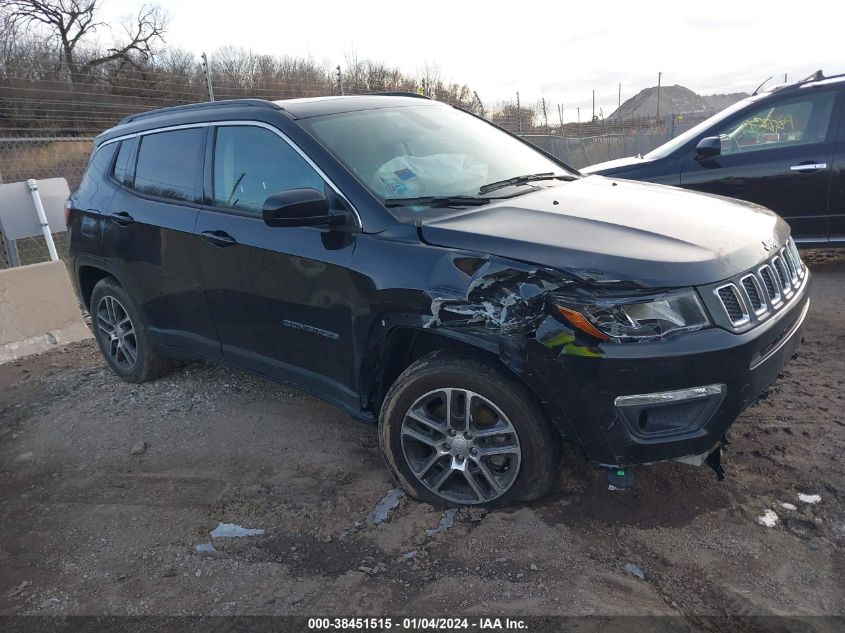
(299,207)
(708,147)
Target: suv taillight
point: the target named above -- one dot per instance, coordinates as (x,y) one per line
(67,213)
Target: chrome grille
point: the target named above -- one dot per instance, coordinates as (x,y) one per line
(733,304)
(792,249)
(768,276)
(790,265)
(755,295)
(783,278)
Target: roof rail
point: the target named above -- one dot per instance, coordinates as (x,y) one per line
(813,78)
(820,76)
(816,76)
(399,94)
(205,105)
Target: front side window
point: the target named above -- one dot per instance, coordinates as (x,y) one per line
(428,150)
(170,164)
(801,120)
(253,163)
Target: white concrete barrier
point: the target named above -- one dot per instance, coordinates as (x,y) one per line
(38,310)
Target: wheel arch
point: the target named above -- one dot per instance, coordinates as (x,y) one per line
(89,272)
(402,346)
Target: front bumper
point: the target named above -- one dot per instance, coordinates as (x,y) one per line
(581,384)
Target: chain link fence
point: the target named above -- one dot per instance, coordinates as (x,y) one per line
(48,120)
(27,156)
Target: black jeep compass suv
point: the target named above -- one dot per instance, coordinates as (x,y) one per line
(419,266)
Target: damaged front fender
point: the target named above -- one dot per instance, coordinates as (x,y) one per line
(500,298)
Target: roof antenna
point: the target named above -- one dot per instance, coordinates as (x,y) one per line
(760,86)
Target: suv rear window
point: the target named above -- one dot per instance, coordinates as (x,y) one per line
(97,167)
(170,164)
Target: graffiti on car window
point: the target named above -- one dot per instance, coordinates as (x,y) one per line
(770,124)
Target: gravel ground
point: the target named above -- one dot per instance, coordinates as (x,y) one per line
(106,489)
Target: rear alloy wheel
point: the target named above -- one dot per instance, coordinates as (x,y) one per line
(117,329)
(459,431)
(122,334)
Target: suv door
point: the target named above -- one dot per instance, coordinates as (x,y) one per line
(837,186)
(149,235)
(279,296)
(779,155)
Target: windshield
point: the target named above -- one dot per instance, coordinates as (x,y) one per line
(667,148)
(428,151)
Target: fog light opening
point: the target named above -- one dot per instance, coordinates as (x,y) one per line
(669,413)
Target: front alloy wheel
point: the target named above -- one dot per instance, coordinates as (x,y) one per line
(460,446)
(457,430)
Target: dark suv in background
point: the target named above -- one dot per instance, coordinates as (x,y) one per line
(416,265)
(783,149)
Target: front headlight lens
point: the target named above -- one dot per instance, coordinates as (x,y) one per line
(636,319)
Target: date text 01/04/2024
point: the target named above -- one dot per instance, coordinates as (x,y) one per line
(417,624)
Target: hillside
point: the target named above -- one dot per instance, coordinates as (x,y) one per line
(674,99)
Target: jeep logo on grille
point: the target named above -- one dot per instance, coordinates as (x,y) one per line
(769,244)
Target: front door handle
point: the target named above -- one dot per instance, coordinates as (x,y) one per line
(218,238)
(809,167)
(122,218)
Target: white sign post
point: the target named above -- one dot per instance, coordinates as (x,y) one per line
(42,219)
(31,208)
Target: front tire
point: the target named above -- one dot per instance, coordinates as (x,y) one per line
(122,335)
(457,431)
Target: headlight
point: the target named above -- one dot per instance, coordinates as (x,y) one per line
(632,319)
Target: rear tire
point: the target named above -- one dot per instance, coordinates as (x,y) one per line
(122,335)
(507,452)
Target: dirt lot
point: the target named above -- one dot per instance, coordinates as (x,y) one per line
(88,527)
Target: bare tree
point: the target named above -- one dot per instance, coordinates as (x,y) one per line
(72,23)
(513,118)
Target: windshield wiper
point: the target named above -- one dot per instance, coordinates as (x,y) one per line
(523,180)
(438,201)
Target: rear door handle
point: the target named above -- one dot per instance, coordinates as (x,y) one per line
(809,166)
(122,218)
(218,238)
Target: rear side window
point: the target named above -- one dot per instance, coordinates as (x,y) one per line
(97,169)
(253,163)
(170,164)
(121,165)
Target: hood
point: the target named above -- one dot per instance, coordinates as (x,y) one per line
(614,166)
(607,230)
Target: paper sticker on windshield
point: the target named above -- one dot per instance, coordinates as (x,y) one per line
(405,174)
(394,186)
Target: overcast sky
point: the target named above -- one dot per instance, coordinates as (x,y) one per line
(549,50)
